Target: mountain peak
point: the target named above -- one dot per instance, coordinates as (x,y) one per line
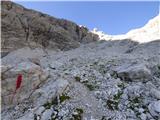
(147,33)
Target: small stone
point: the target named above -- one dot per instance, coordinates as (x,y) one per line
(154,108)
(155,93)
(141,110)
(97,93)
(28,116)
(143,116)
(157,106)
(46,115)
(16,108)
(108,75)
(40,110)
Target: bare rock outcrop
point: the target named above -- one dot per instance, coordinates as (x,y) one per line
(23,27)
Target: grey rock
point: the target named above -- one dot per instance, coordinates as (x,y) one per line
(40,110)
(134,73)
(141,110)
(46,115)
(23,27)
(157,106)
(28,116)
(143,116)
(154,109)
(155,93)
(32,77)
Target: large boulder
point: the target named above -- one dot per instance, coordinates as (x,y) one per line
(32,77)
(136,72)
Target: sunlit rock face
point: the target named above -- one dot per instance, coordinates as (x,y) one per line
(148,33)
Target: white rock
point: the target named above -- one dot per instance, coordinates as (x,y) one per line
(56,64)
(143,116)
(39,110)
(46,115)
(157,106)
(155,93)
(61,85)
(141,110)
(154,108)
(28,116)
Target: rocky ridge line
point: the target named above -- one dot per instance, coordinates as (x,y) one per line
(24,27)
(147,33)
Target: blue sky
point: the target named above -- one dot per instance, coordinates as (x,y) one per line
(111,17)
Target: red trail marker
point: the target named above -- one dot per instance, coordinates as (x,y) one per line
(18,85)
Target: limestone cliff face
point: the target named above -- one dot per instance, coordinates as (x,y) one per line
(24,27)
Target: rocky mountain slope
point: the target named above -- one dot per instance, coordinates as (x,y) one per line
(23,27)
(101,80)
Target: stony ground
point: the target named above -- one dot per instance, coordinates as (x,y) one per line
(105,80)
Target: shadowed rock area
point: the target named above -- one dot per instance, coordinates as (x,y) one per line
(24,27)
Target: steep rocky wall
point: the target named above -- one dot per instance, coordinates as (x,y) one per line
(24,27)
